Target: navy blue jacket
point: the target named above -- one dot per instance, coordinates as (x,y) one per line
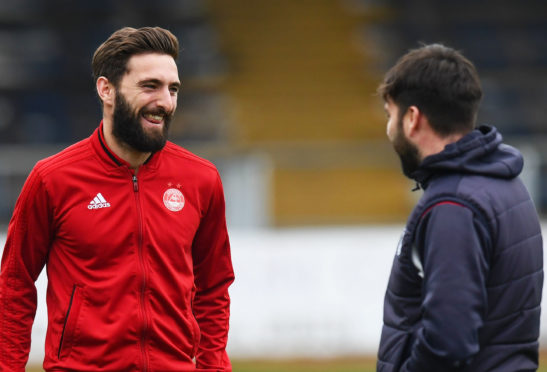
(465,288)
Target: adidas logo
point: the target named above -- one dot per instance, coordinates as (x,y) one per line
(98,202)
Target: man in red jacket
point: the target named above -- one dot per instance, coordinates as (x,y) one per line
(132,230)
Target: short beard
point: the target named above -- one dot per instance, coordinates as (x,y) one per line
(128,128)
(407,151)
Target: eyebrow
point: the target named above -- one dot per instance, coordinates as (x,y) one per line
(158,82)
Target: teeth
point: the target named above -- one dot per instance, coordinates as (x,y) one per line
(155,117)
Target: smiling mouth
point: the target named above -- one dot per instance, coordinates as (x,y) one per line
(154,118)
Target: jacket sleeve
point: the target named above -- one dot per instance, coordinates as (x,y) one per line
(24,256)
(453,246)
(213,274)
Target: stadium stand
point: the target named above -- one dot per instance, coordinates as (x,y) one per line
(505,39)
(303,91)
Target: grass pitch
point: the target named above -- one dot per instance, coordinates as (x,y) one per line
(331,365)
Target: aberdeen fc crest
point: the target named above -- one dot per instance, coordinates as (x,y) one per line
(173,200)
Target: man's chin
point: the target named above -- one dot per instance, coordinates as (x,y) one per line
(154,130)
(409,166)
(150,146)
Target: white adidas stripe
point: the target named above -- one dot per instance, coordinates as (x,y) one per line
(101,198)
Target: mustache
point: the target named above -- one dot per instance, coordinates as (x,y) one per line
(157,111)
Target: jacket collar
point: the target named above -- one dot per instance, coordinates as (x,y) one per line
(480,152)
(109,158)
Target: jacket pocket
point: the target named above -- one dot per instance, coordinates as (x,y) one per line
(67,336)
(196,334)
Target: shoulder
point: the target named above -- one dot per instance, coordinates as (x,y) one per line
(178,153)
(474,189)
(451,191)
(71,156)
(492,195)
(489,198)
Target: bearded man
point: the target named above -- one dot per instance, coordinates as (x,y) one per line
(132,230)
(466,282)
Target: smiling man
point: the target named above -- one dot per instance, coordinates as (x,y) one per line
(132,230)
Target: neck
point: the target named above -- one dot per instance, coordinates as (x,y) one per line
(436,144)
(121,149)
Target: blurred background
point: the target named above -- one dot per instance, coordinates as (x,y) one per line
(280,95)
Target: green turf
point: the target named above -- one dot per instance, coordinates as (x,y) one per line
(341,365)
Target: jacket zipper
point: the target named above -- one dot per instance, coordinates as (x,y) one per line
(66,320)
(144,277)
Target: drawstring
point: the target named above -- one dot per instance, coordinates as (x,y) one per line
(416,187)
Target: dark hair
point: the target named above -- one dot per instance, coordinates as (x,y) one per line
(441,82)
(110,58)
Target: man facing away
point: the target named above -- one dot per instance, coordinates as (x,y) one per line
(132,230)
(465,287)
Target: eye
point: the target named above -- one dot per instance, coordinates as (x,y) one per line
(174,89)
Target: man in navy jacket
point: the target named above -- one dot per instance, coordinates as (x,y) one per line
(465,288)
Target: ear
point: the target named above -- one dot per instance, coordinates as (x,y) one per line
(412,121)
(105,90)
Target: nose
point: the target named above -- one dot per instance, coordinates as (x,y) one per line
(166,99)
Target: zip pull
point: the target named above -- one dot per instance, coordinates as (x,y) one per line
(135,184)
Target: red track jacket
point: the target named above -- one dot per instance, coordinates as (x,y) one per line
(138,264)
